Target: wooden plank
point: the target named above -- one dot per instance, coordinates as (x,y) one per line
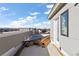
(45,41)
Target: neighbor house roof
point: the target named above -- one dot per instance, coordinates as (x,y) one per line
(57,7)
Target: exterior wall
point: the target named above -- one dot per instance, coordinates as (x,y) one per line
(53,50)
(50,46)
(51,30)
(9,41)
(70,44)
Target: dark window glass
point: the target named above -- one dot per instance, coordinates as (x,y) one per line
(64,23)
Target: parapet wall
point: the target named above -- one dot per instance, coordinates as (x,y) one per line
(7,42)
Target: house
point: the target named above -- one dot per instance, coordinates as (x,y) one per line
(64,18)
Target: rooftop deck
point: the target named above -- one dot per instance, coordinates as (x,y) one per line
(15,38)
(34,51)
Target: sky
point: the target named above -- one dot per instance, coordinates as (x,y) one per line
(25,15)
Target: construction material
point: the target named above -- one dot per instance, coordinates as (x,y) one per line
(45,41)
(40,42)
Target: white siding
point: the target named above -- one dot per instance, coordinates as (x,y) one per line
(51,37)
(70,44)
(51,30)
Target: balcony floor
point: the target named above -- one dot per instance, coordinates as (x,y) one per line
(34,51)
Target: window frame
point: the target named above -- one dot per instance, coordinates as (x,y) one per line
(67,20)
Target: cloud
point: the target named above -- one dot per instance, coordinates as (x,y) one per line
(22,22)
(28,22)
(35,13)
(20,18)
(47,12)
(3,9)
(50,5)
(44,24)
(19,23)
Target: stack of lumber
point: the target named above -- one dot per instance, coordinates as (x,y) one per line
(41,42)
(45,41)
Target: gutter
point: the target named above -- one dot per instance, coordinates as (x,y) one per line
(56,9)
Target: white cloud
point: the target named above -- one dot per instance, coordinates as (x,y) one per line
(3,9)
(50,5)
(30,18)
(19,23)
(20,18)
(35,13)
(27,23)
(22,22)
(44,24)
(37,25)
(47,12)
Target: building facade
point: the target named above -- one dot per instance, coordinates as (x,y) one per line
(64,33)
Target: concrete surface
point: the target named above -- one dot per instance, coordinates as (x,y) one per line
(34,51)
(9,40)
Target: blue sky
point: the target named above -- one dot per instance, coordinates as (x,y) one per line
(26,15)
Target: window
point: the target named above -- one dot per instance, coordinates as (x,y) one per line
(64,23)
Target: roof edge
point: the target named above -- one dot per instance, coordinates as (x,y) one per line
(56,9)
